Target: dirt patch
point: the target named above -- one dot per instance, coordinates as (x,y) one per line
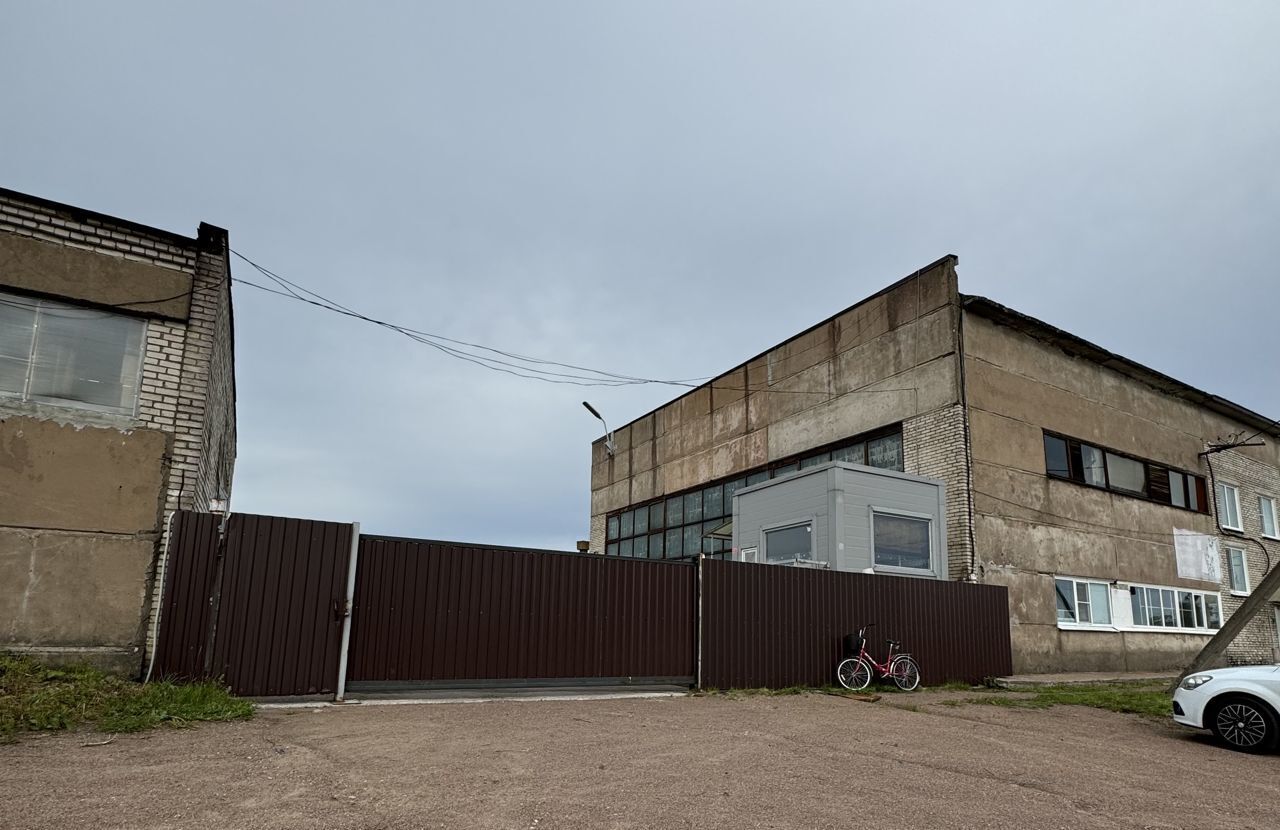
(810,760)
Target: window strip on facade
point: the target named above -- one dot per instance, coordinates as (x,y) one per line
(676,526)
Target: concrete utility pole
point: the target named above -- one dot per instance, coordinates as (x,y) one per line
(1217,645)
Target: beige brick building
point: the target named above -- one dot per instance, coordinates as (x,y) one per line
(1074,476)
(117,406)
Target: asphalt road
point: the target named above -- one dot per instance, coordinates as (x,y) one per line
(808,761)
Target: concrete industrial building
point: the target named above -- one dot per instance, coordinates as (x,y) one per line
(117,407)
(1073,476)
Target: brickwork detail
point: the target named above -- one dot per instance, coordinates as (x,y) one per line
(933,445)
(1258,642)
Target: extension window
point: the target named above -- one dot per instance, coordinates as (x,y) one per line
(57,354)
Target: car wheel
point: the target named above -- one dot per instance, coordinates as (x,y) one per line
(1243,723)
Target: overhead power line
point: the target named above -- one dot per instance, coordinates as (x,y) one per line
(524,366)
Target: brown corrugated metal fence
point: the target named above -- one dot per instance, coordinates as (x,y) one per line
(764,625)
(437,612)
(259,608)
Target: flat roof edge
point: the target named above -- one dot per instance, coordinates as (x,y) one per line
(951,259)
(80,213)
(1078,346)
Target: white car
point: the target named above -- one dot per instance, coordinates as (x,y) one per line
(1241,705)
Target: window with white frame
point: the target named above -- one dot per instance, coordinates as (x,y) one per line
(1082,602)
(1159,607)
(901,541)
(59,354)
(1238,570)
(1268,510)
(1229,507)
(793,543)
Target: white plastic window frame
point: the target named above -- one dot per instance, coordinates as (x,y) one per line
(762,554)
(1244,570)
(1263,503)
(1074,624)
(1177,610)
(1232,492)
(897,569)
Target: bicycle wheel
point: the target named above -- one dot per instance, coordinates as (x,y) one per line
(854,674)
(905,672)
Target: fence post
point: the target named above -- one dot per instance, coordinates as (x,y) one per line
(698,590)
(354,558)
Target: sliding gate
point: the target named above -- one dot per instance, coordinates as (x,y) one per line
(440,613)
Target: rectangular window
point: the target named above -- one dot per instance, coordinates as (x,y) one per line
(1067,458)
(1056,461)
(628,524)
(885,452)
(1093,463)
(901,541)
(1126,474)
(66,356)
(852,454)
(693,507)
(785,469)
(1268,511)
(640,549)
(1177,489)
(692,540)
(655,545)
(1156,607)
(713,502)
(789,544)
(674,544)
(655,516)
(1082,602)
(611,549)
(675,511)
(625,547)
(1237,571)
(641,521)
(815,460)
(613,527)
(1229,507)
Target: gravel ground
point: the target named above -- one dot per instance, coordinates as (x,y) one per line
(753,762)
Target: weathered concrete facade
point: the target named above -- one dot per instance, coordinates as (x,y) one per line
(976,391)
(890,360)
(83,492)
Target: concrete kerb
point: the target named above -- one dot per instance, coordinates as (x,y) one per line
(406,701)
(1033,681)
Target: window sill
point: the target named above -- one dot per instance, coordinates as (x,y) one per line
(1272,538)
(1240,593)
(1136,629)
(1234,531)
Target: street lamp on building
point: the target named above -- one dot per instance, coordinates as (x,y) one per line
(608,434)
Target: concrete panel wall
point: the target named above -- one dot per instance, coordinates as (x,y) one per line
(84,275)
(1029,527)
(87,478)
(887,360)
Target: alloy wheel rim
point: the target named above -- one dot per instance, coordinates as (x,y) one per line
(1242,725)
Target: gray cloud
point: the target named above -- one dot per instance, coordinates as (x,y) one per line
(662,189)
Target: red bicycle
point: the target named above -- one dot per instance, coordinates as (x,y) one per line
(855,673)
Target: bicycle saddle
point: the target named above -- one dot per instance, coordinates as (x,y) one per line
(893,642)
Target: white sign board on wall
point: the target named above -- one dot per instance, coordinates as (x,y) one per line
(1198,556)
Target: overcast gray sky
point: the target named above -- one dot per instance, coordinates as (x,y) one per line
(654,188)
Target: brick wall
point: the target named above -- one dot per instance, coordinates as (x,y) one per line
(933,445)
(1258,642)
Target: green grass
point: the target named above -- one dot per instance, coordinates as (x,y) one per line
(1134,699)
(35,697)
